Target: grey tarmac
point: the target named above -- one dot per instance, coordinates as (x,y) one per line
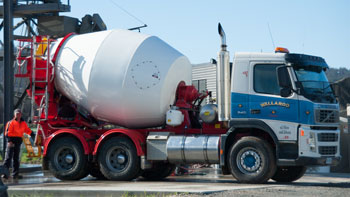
(207,183)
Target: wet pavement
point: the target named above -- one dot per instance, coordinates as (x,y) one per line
(203,181)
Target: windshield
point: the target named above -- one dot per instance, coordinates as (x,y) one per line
(314,84)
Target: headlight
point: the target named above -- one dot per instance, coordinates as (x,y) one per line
(312,141)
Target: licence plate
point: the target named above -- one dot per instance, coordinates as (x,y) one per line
(329,160)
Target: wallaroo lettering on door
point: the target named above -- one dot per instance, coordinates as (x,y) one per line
(274,103)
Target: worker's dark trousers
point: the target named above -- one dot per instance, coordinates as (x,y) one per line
(12,152)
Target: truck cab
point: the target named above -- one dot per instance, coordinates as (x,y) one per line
(288,95)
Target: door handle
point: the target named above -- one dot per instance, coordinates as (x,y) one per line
(255,111)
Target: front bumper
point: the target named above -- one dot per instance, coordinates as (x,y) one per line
(310,161)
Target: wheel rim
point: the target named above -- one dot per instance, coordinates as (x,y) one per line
(117,159)
(249,161)
(65,158)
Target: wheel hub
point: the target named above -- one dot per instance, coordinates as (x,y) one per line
(117,159)
(249,161)
(121,159)
(69,158)
(65,158)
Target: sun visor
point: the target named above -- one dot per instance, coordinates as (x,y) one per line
(306,60)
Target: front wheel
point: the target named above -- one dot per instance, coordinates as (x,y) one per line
(67,160)
(289,173)
(251,160)
(118,159)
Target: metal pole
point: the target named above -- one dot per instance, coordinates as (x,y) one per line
(347,135)
(30,29)
(348,117)
(8,64)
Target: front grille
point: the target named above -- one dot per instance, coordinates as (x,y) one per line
(327,137)
(323,128)
(327,150)
(327,116)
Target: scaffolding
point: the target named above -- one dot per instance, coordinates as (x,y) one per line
(28,12)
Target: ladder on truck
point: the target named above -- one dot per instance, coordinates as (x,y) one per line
(40,51)
(41,46)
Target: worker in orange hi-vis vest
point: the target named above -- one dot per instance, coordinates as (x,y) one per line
(14,131)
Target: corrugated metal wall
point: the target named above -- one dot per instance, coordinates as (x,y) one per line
(206,71)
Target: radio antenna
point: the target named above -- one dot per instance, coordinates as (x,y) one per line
(273,43)
(131,15)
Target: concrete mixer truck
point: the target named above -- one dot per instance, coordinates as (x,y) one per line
(119,104)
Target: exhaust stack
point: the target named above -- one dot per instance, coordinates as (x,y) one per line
(223,80)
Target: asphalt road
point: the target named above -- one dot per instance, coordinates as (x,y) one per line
(311,185)
(207,183)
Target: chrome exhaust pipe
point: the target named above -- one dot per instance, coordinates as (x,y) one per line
(223,80)
(223,37)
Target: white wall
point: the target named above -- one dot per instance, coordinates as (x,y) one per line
(205,71)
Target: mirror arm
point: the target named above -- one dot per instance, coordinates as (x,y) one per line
(297,91)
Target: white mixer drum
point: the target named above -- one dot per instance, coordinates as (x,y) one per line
(122,77)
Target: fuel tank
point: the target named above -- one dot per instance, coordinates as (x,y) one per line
(193,149)
(119,76)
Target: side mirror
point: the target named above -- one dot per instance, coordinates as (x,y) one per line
(283,77)
(285,92)
(284,81)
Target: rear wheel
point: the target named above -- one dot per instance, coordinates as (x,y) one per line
(118,159)
(95,171)
(67,160)
(159,171)
(289,173)
(251,160)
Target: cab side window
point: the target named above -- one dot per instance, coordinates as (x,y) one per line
(265,79)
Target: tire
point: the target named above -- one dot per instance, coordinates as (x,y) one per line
(289,173)
(95,171)
(251,160)
(159,171)
(67,160)
(118,159)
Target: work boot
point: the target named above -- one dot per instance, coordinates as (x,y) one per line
(5,172)
(4,176)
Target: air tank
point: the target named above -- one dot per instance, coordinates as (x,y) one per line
(119,76)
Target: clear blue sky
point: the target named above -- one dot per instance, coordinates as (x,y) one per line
(316,27)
